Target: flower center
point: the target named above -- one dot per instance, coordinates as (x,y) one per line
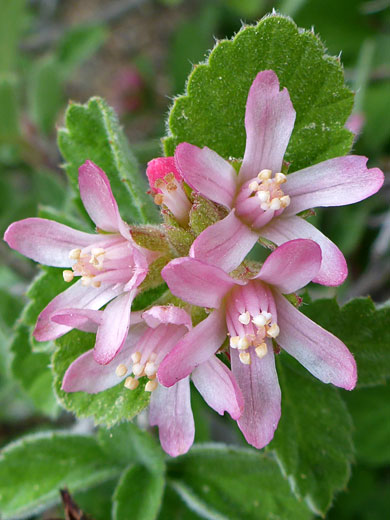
(148,368)
(171,194)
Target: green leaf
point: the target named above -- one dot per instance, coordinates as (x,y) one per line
(212,112)
(9,118)
(228,483)
(127,444)
(92,132)
(370,409)
(138,494)
(313,442)
(79,44)
(32,370)
(174,509)
(46,94)
(365,331)
(11,24)
(97,502)
(33,469)
(114,405)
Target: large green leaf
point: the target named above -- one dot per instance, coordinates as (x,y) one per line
(109,407)
(227,483)
(11,25)
(138,494)
(313,442)
(33,469)
(363,328)
(212,111)
(92,132)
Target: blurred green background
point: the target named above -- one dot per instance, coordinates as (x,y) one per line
(137,54)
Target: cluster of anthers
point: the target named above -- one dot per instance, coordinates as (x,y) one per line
(85,265)
(258,328)
(171,194)
(148,369)
(267,190)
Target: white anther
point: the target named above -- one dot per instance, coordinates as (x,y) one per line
(131,383)
(267,315)
(121,370)
(151,386)
(280,178)
(86,280)
(136,357)
(244,318)
(275,204)
(234,341)
(68,275)
(75,254)
(285,201)
(260,320)
(263,196)
(97,251)
(245,358)
(138,369)
(264,175)
(273,331)
(150,369)
(264,206)
(253,186)
(243,343)
(261,350)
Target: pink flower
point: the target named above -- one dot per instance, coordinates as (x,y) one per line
(262,200)
(167,185)
(152,336)
(111,265)
(254,312)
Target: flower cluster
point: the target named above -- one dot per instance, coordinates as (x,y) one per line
(246,320)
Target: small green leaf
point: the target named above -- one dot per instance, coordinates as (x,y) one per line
(212,112)
(313,442)
(138,494)
(114,405)
(32,370)
(11,25)
(33,469)
(125,444)
(363,328)
(92,132)
(370,410)
(219,482)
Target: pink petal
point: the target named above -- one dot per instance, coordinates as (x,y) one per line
(336,182)
(333,269)
(269,121)
(216,383)
(224,244)
(292,265)
(77,296)
(114,328)
(46,241)
(97,197)
(324,355)
(196,282)
(159,168)
(206,172)
(196,347)
(167,314)
(170,410)
(260,386)
(81,319)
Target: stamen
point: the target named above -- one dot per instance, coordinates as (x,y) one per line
(244,318)
(264,175)
(96,284)
(159,184)
(172,186)
(138,369)
(97,251)
(261,350)
(234,341)
(68,275)
(243,343)
(285,201)
(245,358)
(260,320)
(268,315)
(86,280)
(263,196)
(253,186)
(275,204)
(151,386)
(136,357)
(150,369)
(264,206)
(75,254)
(273,331)
(131,383)
(169,177)
(280,178)
(159,199)
(121,370)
